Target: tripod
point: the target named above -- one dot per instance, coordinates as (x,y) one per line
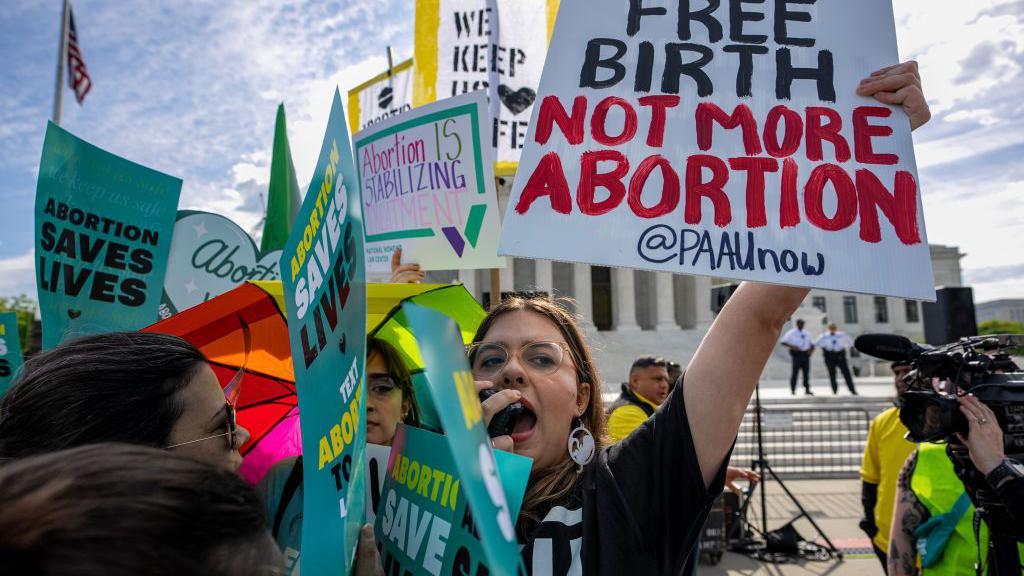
(764,469)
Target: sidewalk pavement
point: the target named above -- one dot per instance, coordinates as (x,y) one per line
(867,387)
(873,387)
(834,505)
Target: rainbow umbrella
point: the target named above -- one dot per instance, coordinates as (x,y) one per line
(386,320)
(267,402)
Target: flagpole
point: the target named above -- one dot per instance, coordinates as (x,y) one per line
(62,57)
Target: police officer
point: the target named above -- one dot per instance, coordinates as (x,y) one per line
(833,344)
(798,341)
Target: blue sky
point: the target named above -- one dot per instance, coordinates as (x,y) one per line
(190,88)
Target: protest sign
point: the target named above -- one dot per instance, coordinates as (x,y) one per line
(383,96)
(493,45)
(425,522)
(210,255)
(427,187)
(10,349)
(103,231)
(726,140)
(376,469)
(513,470)
(455,397)
(324,283)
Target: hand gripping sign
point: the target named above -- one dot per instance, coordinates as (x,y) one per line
(723,139)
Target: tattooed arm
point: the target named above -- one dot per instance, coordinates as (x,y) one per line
(909,514)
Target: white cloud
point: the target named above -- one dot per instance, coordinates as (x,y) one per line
(19,275)
(191,88)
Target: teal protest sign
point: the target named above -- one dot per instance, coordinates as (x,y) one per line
(325,298)
(424,521)
(103,231)
(458,406)
(210,255)
(10,349)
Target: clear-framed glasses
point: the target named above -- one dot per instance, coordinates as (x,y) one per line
(381,385)
(487,359)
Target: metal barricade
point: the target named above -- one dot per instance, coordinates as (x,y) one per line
(806,443)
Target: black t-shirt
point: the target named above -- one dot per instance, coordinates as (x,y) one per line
(637,508)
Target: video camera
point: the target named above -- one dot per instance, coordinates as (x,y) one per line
(980,365)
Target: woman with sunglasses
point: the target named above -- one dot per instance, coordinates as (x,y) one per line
(390,399)
(133,387)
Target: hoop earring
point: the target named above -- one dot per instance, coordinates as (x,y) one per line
(581,445)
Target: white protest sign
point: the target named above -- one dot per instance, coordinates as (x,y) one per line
(493,45)
(376,469)
(383,96)
(210,255)
(727,141)
(427,184)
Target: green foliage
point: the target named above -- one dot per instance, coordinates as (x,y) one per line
(26,309)
(1000,327)
(1003,327)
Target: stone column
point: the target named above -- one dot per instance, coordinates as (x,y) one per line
(582,291)
(543,276)
(666,305)
(625,300)
(702,303)
(508,275)
(468,279)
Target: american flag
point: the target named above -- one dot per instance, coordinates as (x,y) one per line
(78,75)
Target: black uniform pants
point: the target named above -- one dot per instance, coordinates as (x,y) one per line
(835,360)
(801,361)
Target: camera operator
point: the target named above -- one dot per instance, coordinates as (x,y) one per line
(929,495)
(884,454)
(984,440)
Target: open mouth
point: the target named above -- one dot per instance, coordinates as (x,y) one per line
(524,425)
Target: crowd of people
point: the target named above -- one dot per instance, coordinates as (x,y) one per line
(833,344)
(120,451)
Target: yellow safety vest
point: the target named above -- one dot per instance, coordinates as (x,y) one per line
(936,486)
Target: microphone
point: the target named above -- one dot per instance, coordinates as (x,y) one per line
(888,346)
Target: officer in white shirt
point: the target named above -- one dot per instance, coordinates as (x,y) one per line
(833,344)
(800,347)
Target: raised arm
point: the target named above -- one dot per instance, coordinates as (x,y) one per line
(724,370)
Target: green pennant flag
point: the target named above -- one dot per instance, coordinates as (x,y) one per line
(283,197)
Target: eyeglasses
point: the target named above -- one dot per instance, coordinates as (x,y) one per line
(381,386)
(231,423)
(489,359)
(231,392)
